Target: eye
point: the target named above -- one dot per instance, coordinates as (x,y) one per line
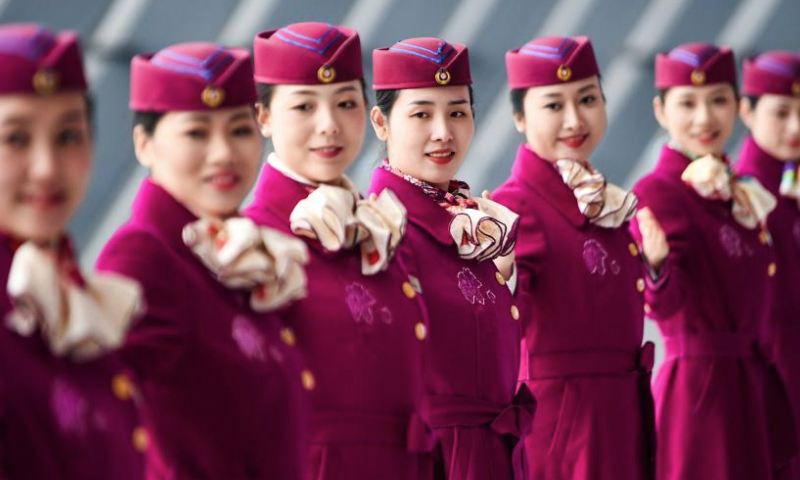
(781,114)
(686,104)
(243,131)
(589,99)
(347,104)
(553,106)
(197,134)
(71,136)
(17,139)
(721,100)
(420,115)
(458,114)
(303,107)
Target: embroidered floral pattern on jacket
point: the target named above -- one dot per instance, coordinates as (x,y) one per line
(470,287)
(249,340)
(69,408)
(360,302)
(594,256)
(732,242)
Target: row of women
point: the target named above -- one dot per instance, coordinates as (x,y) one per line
(415,332)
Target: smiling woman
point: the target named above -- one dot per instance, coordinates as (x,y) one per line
(721,409)
(209,345)
(58,328)
(361,328)
(470,400)
(580,276)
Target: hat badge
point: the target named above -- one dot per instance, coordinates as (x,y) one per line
(564,73)
(442,76)
(796,89)
(326,74)
(45,81)
(698,77)
(213,96)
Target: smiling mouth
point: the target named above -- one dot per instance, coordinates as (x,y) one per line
(574,141)
(707,138)
(328,152)
(441,157)
(224,181)
(44,201)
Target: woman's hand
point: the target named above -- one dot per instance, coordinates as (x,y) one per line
(654,240)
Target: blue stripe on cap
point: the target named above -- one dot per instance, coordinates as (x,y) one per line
(435,56)
(200,67)
(554,53)
(282,35)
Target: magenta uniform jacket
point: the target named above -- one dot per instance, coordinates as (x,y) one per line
(357,333)
(221,391)
(580,289)
(784,227)
(718,402)
(471,345)
(60,419)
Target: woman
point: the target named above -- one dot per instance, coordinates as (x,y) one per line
(66,406)
(361,328)
(580,275)
(717,398)
(219,379)
(771,110)
(424,115)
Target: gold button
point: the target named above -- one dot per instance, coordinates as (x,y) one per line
(514,312)
(309,382)
(408,290)
(771,269)
(764,237)
(420,331)
(647,308)
(287,335)
(141,439)
(122,386)
(640,285)
(633,249)
(500,278)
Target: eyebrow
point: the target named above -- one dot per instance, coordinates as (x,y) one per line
(461,101)
(77,115)
(240,116)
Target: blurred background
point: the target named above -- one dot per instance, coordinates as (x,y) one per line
(626,34)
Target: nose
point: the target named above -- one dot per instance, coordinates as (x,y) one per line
(44,162)
(441,130)
(327,123)
(702,114)
(572,117)
(220,149)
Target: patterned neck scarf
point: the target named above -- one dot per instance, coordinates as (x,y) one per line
(712,178)
(604,204)
(481,229)
(242,255)
(79,316)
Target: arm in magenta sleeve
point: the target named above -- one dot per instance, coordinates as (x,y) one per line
(156,340)
(665,294)
(531,245)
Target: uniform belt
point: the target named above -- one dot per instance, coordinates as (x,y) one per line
(719,344)
(636,364)
(590,363)
(450,411)
(782,436)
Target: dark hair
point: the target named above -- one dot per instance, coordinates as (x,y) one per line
(518,97)
(662,92)
(384,100)
(265,91)
(753,100)
(148,120)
